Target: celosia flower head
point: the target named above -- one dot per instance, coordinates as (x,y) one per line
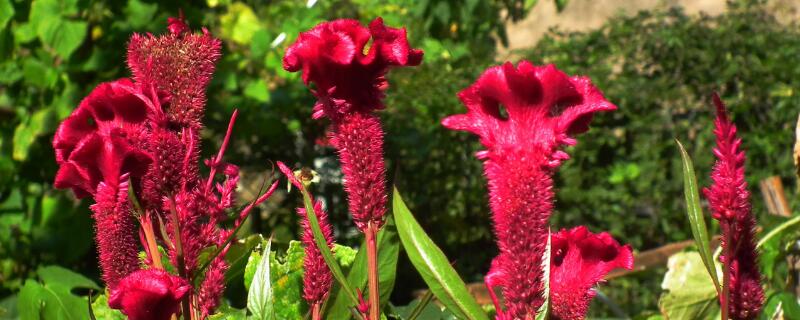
(544,109)
(580,260)
(102,138)
(149,295)
(180,63)
(523,116)
(349,84)
(317,277)
(729,200)
(346,80)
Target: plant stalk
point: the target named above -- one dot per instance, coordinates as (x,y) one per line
(315,311)
(186,303)
(372,273)
(726,275)
(150,237)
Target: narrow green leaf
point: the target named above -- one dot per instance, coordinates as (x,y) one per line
(544,311)
(259,297)
(388,252)
(788,225)
(695,213)
(433,265)
(319,238)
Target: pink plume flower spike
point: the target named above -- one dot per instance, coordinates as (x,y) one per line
(349,84)
(729,200)
(149,295)
(181,63)
(115,232)
(317,277)
(579,261)
(545,110)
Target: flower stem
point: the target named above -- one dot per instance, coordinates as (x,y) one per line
(186,304)
(315,311)
(372,265)
(150,237)
(726,275)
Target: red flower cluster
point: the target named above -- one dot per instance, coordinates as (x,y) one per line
(147,132)
(349,85)
(730,205)
(523,116)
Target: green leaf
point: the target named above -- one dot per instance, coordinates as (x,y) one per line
(689,293)
(38,74)
(319,238)
(6,12)
(26,132)
(433,266)
(239,23)
(103,311)
(694,211)
(388,253)
(63,36)
(259,297)
(544,311)
(238,256)
(139,14)
(257,90)
(53,298)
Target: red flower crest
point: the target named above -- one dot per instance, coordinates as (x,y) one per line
(331,55)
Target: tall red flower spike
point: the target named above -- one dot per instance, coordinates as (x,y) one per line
(580,260)
(317,277)
(730,205)
(98,148)
(544,109)
(349,85)
(180,63)
(149,295)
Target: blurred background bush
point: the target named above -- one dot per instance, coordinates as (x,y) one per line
(658,66)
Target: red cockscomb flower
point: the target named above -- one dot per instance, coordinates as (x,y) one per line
(544,109)
(98,147)
(579,260)
(102,138)
(349,85)
(149,295)
(730,205)
(317,277)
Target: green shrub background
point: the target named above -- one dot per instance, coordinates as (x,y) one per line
(659,67)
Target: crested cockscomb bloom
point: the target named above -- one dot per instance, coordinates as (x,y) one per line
(349,84)
(149,295)
(730,205)
(317,277)
(580,260)
(544,109)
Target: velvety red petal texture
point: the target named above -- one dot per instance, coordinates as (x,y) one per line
(149,295)
(729,200)
(102,138)
(523,116)
(580,260)
(180,63)
(346,80)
